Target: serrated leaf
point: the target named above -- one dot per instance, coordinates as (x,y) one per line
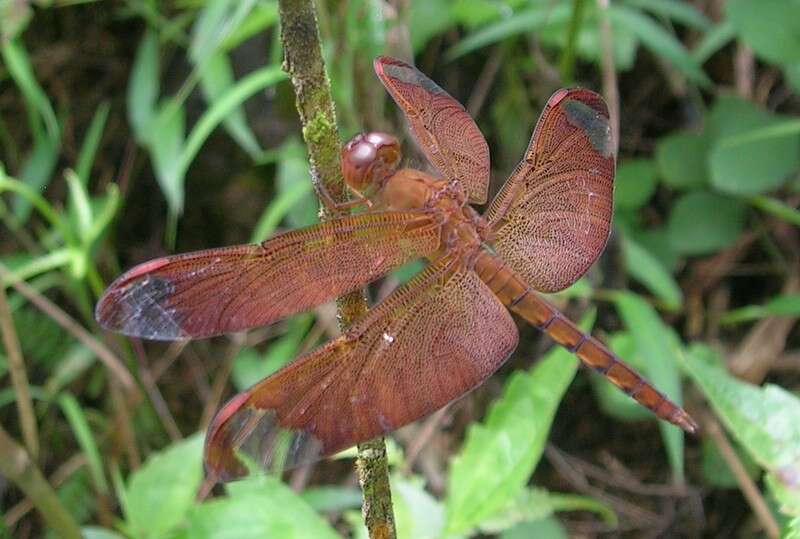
(764,420)
(500,453)
(634,184)
(161,492)
(701,222)
(682,160)
(256,508)
(658,346)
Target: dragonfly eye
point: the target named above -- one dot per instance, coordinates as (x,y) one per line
(370,158)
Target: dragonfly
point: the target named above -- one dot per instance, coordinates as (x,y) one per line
(434,338)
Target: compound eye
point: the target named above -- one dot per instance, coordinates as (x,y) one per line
(358,155)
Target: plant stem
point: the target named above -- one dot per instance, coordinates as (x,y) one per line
(567,64)
(16,465)
(19,377)
(305,65)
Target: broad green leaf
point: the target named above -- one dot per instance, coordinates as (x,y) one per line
(716,471)
(143,86)
(792,73)
(770,27)
(764,420)
(537,504)
(332,499)
(656,241)
(500,453)
(546,528)
(612,401)
(702,223)
(785,305)
(161,492)
(96,532)
(658,346)
(634,184)
(682,159)
(660,42)
(417,513)
(744,162)
(254,509)
(648,270)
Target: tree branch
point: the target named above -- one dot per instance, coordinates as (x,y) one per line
(304,63)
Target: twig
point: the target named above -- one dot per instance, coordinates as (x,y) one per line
(610,88)
(746,485)
(16,465)
(304,63)
(106,356)
(151,388)
(19,378)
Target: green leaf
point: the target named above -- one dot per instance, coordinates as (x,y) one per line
(702,223)
(161,492)
(634,184)
(716,471)
(499,455)
(293,169)
(428,19)
(417,513)
(764,420)
(522,22)
(648,270)
(660,42)
(216,77)
(770,27)
(677,11)
(713,41)
(776,207)
(784,305)
(682,160)
(83,434)
(254,509)
(249,366)
(96,532)
(546,528)
(166,143)
(332,499)
(91,142)
(658,346)
(226,103)
(143,86)
(743,160)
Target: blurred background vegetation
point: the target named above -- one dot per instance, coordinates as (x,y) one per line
(136,128)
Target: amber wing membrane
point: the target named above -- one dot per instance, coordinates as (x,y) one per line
(553,215)
(427,344)
(235,288)
(443,129)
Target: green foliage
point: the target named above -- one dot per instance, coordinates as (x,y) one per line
(702,222)
(499,455)
(764,420)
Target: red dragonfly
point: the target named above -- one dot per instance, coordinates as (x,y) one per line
(439,335)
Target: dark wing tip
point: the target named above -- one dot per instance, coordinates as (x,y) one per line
(135,305)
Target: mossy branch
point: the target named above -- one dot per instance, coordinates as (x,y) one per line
(304,63)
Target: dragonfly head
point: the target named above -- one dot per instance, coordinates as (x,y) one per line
(369,159)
